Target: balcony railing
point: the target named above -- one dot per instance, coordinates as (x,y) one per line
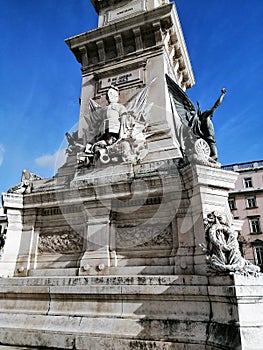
(244,166)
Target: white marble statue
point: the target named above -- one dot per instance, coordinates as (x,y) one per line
(116,132)
(26,184)
(223,251)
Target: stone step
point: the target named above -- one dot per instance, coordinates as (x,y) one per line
(23,284)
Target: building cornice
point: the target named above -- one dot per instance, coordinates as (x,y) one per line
(244,167)
(246,191)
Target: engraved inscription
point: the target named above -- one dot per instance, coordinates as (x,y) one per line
(131,8)
(131,77)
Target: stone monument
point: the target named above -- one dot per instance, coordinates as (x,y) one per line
(131,245)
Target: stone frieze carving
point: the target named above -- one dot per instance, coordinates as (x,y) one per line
(60,242)
(222,249)
(144,236)
(69,209)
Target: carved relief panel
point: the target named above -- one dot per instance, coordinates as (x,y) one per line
(60,242)
(152,236)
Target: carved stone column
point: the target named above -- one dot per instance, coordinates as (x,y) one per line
(20,237)
(96,257)
(13,235)
(26,259)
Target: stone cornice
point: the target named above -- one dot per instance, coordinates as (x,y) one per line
(162,13)
(200,175)
(150,30)
(246,191)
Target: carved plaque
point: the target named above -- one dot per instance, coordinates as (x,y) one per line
(125,79)
(132,8)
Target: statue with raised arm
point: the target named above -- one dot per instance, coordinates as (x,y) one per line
(207,126)
(199,131)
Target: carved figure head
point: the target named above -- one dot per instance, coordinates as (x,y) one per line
(113,94)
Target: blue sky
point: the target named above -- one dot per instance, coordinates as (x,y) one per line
(40,80)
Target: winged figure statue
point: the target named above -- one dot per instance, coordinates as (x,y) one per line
(200,123)
(116,132)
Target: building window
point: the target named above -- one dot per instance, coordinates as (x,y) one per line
(248,182)
(232,203)
(259,256)
(254,225)
(251,202)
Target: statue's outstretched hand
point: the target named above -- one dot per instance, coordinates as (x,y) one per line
(223,91)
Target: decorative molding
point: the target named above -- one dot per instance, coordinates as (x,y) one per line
(116,203)
(70,209)
(104,37)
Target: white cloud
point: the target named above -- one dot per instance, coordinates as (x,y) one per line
(2,151)
(52,161)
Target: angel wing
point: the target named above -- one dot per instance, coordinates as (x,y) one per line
(184,107)
(138,106)
(93,120)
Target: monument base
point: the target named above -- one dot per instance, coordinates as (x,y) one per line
(134,312)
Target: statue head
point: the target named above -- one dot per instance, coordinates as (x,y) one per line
(113,94)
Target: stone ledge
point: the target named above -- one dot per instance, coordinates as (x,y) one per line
(105,280)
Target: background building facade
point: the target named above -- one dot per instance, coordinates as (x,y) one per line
(246,203)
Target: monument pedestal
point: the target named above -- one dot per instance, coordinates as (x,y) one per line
(148,220)
(132,312)
(143,280)
(109,253)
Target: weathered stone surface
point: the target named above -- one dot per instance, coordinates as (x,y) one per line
(151,221)
(173,312)
(110,257)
